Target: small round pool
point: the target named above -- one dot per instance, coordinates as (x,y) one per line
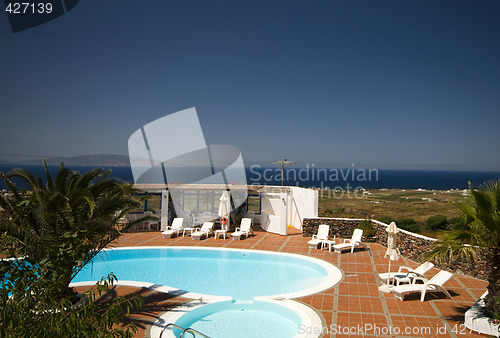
(235,273)
(238,319)
(219,319)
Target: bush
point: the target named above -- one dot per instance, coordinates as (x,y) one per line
(436,222)
(58,227)
(367,227)
(63,224)
(458,223)
(31,307)
(386,219)
(408,224)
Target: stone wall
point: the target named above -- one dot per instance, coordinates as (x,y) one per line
(411,245)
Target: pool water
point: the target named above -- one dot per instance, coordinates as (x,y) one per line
(240,274)
(7,282)
(233,319)
(251,278)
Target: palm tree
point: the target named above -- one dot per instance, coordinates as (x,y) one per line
(61,224)
(480,238)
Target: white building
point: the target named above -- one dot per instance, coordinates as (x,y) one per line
(275,208)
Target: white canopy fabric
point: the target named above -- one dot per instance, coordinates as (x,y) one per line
(392,252)
(224,208)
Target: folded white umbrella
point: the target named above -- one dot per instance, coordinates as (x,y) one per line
(224,209)
(392,252)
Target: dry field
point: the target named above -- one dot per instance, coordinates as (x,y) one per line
(395,203)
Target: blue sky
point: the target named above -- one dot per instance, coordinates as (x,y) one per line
(382,84)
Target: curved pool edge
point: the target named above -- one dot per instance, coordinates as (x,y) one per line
(309,317)
(160,288)
(334,275)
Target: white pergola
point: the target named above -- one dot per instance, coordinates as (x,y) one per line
(281,207)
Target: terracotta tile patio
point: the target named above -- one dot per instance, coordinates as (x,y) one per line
(353,308)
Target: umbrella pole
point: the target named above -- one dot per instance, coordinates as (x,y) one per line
(389,273)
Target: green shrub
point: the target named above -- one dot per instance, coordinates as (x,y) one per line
(412,227)
(367,227)
(408,224)
(58,227)
(386,219)
(341,209)
(436,222)
(458,223)
(63,224)
(32,307)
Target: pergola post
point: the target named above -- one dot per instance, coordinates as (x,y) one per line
(164,210)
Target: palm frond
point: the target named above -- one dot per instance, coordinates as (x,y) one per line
(25,176)
(466,208)
(481,237)
(10,186)
(47,175)
(65,222)
(451,244)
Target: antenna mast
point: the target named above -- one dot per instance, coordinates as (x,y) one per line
(282,167)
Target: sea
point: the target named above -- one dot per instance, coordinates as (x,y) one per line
(324,178)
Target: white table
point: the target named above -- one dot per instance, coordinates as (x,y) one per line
(187,229)
(399,280)
(220,232)
(329,243)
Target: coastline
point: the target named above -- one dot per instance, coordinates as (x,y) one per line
(349,179)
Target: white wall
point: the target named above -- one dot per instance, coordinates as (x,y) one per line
(304,204)
(274,211)
(280,210)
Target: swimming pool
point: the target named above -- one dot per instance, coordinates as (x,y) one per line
(235,273)
(230,319)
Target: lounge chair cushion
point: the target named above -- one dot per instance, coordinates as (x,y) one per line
(315,243)
(434,284)
(243,229)
(198,234)
(206,230)
(322,235)
(174,228)
(169,233)
(340,247)
(352,243)
(406,274)
(239,234)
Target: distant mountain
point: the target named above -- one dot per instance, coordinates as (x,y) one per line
(104,160)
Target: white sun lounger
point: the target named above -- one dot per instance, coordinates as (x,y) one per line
(244,229)
(205,230)
(175,228)
(352,243)
(406,274)
(434,284)
(320,237)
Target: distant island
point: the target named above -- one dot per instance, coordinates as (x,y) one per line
(102,160)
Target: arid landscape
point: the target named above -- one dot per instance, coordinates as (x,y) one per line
(394,203)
